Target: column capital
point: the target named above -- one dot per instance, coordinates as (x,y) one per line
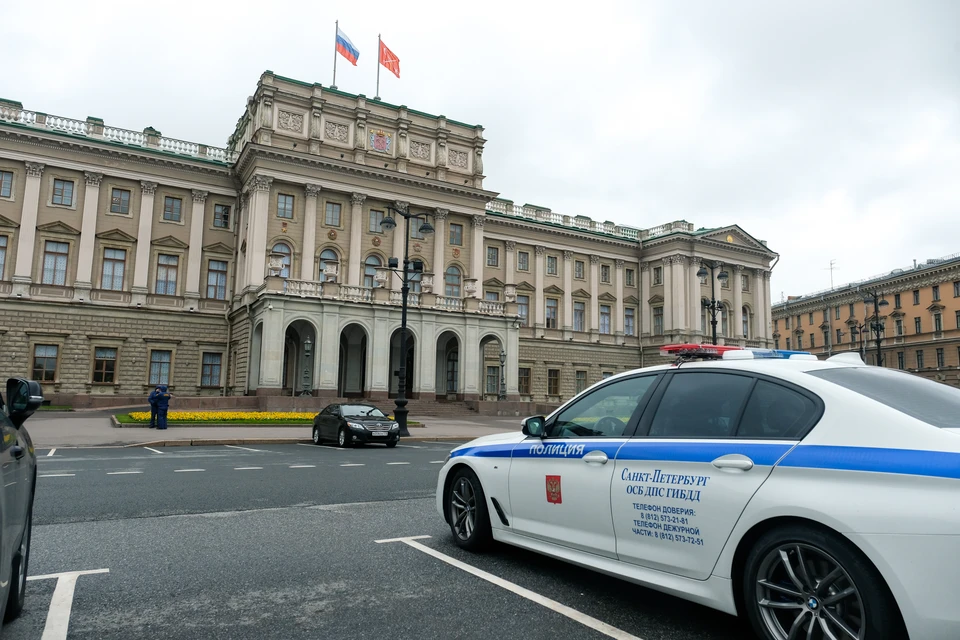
(35,169)
(567,256)
(477,221)
(260,183)
(738,268)
(199,196)
(401,205)
(619,263)
(148,187)
(440,213)
(759,273)
(644,266)
(540,249)
(312,190)
(357,198)
(695,261)
(510,245)
(93,178)
(594,259)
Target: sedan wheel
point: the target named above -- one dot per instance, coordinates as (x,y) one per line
(812,584)
(467,511)
(316,436)
(342,440)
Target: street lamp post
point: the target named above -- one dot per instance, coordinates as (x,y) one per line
(858,330)
(714,305)
(388,224)
(876,326)
(503,382)
(305,391)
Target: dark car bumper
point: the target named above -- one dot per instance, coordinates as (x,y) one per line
(366,437)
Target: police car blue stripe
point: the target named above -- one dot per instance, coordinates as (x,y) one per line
(914,462)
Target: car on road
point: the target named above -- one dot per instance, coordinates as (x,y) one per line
(818,499)
(354,423)
(18,466)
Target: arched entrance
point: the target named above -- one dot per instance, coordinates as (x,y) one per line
(256,344)
(299,350)
(490,368)
(395,364)
(448,366)
(352,368)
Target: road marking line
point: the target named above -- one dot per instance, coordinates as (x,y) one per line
(121,473)
(154,450)
(553,605)
(233,446)
(409,446)
(302,466)
(398,463)
(437,461)
(51,452)
(187,470)
(56,475)
(353,464)
(58,616)
(246,468)
(304,444)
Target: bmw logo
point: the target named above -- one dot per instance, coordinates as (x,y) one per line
(813,603)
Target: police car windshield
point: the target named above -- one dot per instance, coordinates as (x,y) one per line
(932,402)
(361,411)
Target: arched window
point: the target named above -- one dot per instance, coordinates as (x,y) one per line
(370,270)
(415,277)
(327,255)
(284,250)
(451,282)
(746,322)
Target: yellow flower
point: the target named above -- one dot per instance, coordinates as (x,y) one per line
(228,416)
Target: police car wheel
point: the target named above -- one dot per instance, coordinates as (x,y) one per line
(806,582)
(467,511)
(18,575)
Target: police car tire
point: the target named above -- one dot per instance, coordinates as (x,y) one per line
(481,537)
(21,560)
(882,615)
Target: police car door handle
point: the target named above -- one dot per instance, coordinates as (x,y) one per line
(595,457)
(734,462)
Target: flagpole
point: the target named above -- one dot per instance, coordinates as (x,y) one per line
(379,44)
(336,32)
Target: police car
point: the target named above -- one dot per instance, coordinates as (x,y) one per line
(820,499)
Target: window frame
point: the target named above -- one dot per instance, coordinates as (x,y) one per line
(222,216)
(56,254)
(523,310)
(493,252)
(329,207)
(179,210)
(555,262)
(605,274)
(120,206)
(629,328)
(550,379)
(630,429)
(156,275)
(225,272)
(287,198)
(53,193)
(546,313)
(630,277)
(4,245)
(169,364)
(579,270)
(374,218)
(524,264)
(96,361)
(455,240)
(524,382)
(10,184)
(579,313)
(104,260)
(203,369)
(605,312)
(56,362)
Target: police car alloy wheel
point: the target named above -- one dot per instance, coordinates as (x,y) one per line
(467,511)
(807,583)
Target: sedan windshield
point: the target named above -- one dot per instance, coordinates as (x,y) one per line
(361,411)
(926,400)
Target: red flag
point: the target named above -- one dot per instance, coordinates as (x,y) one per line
(389,59)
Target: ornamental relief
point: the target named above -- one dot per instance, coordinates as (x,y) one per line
(457,158)
(420,150)
(336,131)
(290,121)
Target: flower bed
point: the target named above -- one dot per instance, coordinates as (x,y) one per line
(223,417)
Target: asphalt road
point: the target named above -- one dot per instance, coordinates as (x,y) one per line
(280,543)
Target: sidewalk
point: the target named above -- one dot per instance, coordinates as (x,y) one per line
(74,429)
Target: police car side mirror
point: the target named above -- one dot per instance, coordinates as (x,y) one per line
(533,426)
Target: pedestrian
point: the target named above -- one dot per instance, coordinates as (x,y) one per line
(163,403)
(153,407)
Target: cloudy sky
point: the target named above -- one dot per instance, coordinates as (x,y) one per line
(829,129)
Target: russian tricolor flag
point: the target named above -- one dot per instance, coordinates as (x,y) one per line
(346,48)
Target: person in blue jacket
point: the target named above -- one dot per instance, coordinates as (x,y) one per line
(163,403)
(153,407)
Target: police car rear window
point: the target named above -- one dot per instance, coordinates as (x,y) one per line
(932,402)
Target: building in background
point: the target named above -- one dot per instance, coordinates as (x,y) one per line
(920,322)
(129,259)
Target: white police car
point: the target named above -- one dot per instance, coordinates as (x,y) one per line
(820,499)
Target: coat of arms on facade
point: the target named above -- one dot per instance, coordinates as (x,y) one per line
(553,490)
(456,253)
(332,234)
(376,241)
(380,141)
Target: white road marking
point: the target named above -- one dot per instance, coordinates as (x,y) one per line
(409,446)
(302,466)
(553,605)
(304,444)
(187,470)
(233,446)
(353,464)
(154,450)
(437,461)
(58,616)
(121,473)
(56,475)
(398,463)
(51,452)
(246,468)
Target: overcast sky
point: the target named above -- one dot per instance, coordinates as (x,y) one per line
(829,129)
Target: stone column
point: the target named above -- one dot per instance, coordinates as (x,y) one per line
(257,242)
(510,262)
(618,288)
(310,233)
(737,331)
(357,224)
(512,374)
(329,350)
(378,354)
(141,267)
(471,359)
(567,292)
(646,313)
(667,295)
(541,303)
(695,309)
(594,293)
(88,236)
(399,237)
(439,245)
(766,329)
(478,255)
(23,272)
(271,350)
(192,291)
(678,279)
(426,352)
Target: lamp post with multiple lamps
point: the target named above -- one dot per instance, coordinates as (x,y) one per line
(876,326)
(305,391)
(858,330)
(416,266)
(503,382)
(714,305)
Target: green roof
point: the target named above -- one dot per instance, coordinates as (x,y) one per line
(554,225)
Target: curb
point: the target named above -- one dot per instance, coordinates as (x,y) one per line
(116,424)
(206,442)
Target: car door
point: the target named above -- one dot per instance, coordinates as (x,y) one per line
(709,440)
(12,507)
(333,421)
(559,485)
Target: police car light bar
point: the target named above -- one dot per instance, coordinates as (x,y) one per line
(690,351)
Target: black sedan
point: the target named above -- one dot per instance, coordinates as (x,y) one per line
(350,424)
(18,465)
